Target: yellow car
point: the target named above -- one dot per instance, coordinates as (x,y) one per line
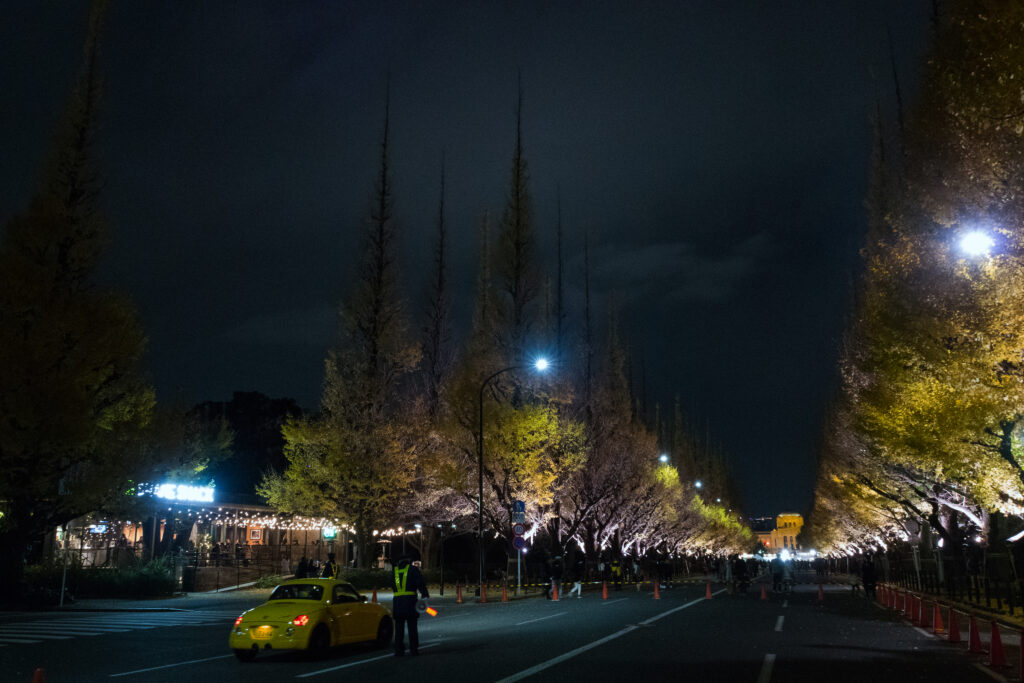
(310,614)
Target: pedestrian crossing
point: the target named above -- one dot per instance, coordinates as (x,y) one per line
(22,630)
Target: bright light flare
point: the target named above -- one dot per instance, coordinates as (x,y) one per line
(541,364)
(663,457)
(698,483)
(976,243)
(431,611)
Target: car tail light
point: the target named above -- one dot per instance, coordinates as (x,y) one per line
(300,620)
(239,620)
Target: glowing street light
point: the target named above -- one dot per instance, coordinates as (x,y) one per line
(540,365)
(663,457)
(698,483)
(976,243)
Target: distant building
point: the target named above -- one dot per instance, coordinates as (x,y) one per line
(782,535)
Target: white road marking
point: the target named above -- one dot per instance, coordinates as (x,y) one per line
(169,666)
(926,634)
(11,640)
(984,669)
(590,646)
(30,634)
(785,603)
(550,616)
(766,669)
(778,623)
(608,602)
(361,661)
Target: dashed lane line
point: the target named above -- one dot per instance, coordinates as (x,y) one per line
(601,641)
(169,666)
(609,602)
(778,624)
(766,669)
(361,661)
(550,616)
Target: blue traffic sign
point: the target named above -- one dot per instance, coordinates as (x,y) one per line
(519,542)
(518,506)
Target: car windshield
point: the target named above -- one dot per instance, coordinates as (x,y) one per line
(298,591)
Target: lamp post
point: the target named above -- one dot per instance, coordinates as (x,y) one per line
(541,364)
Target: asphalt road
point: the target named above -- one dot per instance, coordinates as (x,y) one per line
(629,637)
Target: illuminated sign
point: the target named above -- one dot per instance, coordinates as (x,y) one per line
(330,532)
(185,492)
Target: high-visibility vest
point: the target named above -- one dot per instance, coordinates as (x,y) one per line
(401,575)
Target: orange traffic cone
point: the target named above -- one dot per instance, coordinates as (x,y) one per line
(657,595)
(458,593)
(996,657)
(974,638)
(764,592)
(954,628)
(504,592)
(554,593)
(39,676)
(938,628)
(1021,662)
(821,594)
(483,592)
(374,599)
(604,590)
(707,593)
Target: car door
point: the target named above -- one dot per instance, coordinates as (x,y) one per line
(345,615)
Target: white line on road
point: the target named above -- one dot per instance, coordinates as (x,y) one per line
(361,661)
(766,669)
(550,616)
(785,603)
(984,669)
(589,646)
(608,602)
(778,623)
(169,666)
(20,641)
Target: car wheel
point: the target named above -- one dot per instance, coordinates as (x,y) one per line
(385,631)
(245,655)
(320,640)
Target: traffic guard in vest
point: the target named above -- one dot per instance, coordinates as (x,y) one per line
(408,580)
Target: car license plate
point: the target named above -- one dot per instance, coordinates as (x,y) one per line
(263,632)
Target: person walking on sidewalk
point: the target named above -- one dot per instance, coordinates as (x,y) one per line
(407,581)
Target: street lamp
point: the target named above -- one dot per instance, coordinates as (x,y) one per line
(541,364)
(663,457)
(976,243)
(698,483)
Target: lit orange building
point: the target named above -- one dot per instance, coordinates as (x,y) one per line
(784,535)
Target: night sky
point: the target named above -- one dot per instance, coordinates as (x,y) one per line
(716,152)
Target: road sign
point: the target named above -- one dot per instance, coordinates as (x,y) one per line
(518,506)
(518,542)
(518,517)
(519,529)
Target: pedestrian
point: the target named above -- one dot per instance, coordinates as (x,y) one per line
(407,581)
(331,568)
(556,576)
(776,567)
(617,574)
(868,576)
(302,570)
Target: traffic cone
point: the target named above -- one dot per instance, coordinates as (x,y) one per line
(1020,664)
(954,628)
(39,676)
(483,593)
(504,592)
(938,629)
(974,638)
(764,592)
(707,593)
(374,600)
(996,657)
(821,594)
(657,595)
(458,593)
(604,590)
(554,593)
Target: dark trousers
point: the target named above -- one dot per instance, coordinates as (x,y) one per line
(414,633)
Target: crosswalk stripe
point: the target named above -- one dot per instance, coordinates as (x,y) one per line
(5,639)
